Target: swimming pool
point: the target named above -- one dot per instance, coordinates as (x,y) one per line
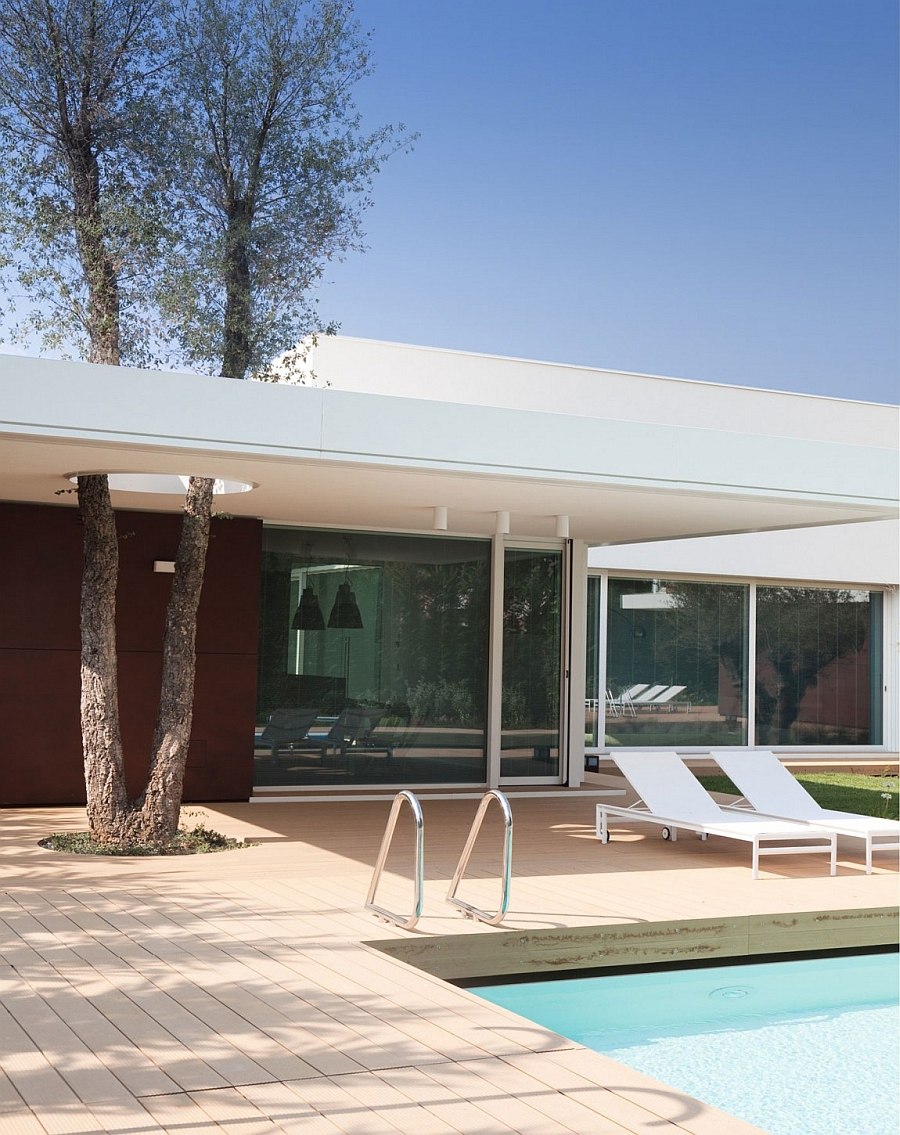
(796,1047)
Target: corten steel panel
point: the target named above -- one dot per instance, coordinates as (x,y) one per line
(40,574)
(229,604)
(41,761)
(220,763)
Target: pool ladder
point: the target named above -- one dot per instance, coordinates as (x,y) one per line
(468,910)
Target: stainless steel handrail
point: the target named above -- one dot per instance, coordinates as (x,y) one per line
(380,911)
(472,911)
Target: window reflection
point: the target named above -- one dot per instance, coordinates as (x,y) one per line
(372,659)
(818,666)
(592,702)
(532,644)
(676,663)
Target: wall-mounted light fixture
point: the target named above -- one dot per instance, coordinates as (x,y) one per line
(166,566)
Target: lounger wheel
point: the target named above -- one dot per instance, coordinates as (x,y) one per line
(605,837)
(667,833)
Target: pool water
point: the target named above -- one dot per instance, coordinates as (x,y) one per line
(796,1047)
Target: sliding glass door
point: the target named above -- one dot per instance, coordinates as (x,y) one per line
(373,659)
(533,643)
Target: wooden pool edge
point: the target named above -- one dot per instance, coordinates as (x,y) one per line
(463,957)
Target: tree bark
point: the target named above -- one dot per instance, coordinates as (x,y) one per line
(157,810)
(107,800)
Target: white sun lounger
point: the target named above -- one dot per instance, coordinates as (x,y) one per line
(671,796)
(666,696)
(769,788)
(648,695)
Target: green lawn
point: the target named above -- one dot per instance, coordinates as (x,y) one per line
(843,791)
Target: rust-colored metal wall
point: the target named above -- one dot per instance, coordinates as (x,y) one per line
(40,579)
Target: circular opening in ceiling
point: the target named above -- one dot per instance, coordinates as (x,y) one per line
(168,483)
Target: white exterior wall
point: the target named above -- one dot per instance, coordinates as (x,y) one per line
(866,553)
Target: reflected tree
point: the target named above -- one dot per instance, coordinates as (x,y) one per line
(799,632)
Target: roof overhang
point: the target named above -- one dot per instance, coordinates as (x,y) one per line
(336,457)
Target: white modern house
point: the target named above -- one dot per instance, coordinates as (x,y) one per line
(456,571)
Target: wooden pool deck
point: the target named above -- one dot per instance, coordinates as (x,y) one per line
(241,992)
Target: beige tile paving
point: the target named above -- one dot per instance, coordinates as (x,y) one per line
(235,992)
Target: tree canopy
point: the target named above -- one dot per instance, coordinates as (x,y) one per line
(271,173)
(80,215)
(178,176)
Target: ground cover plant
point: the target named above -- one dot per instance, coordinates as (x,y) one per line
(196,840)
(876,794)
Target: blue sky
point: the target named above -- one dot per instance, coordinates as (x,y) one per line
(701,188)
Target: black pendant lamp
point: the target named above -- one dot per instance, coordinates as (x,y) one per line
(308,616)
(345,614)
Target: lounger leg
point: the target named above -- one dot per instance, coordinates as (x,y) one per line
(868,855)
(834,855)
(755,866)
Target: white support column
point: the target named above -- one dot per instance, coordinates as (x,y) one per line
(602,681)
(576,660)
(751,667)
(890,621)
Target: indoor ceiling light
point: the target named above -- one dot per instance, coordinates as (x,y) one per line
(345,612)
(308,616)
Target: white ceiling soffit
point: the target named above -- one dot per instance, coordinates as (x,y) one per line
(327,493)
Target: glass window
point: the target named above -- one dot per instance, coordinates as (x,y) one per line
(532,660)
(818,666)
(373,659)
(676,663)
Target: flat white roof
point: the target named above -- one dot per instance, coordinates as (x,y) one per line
(439,374)
(401,430)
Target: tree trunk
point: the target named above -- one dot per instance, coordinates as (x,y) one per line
(103,300)
(107,800)
(791,688)
(104,772)
(157,810)
(236,352)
